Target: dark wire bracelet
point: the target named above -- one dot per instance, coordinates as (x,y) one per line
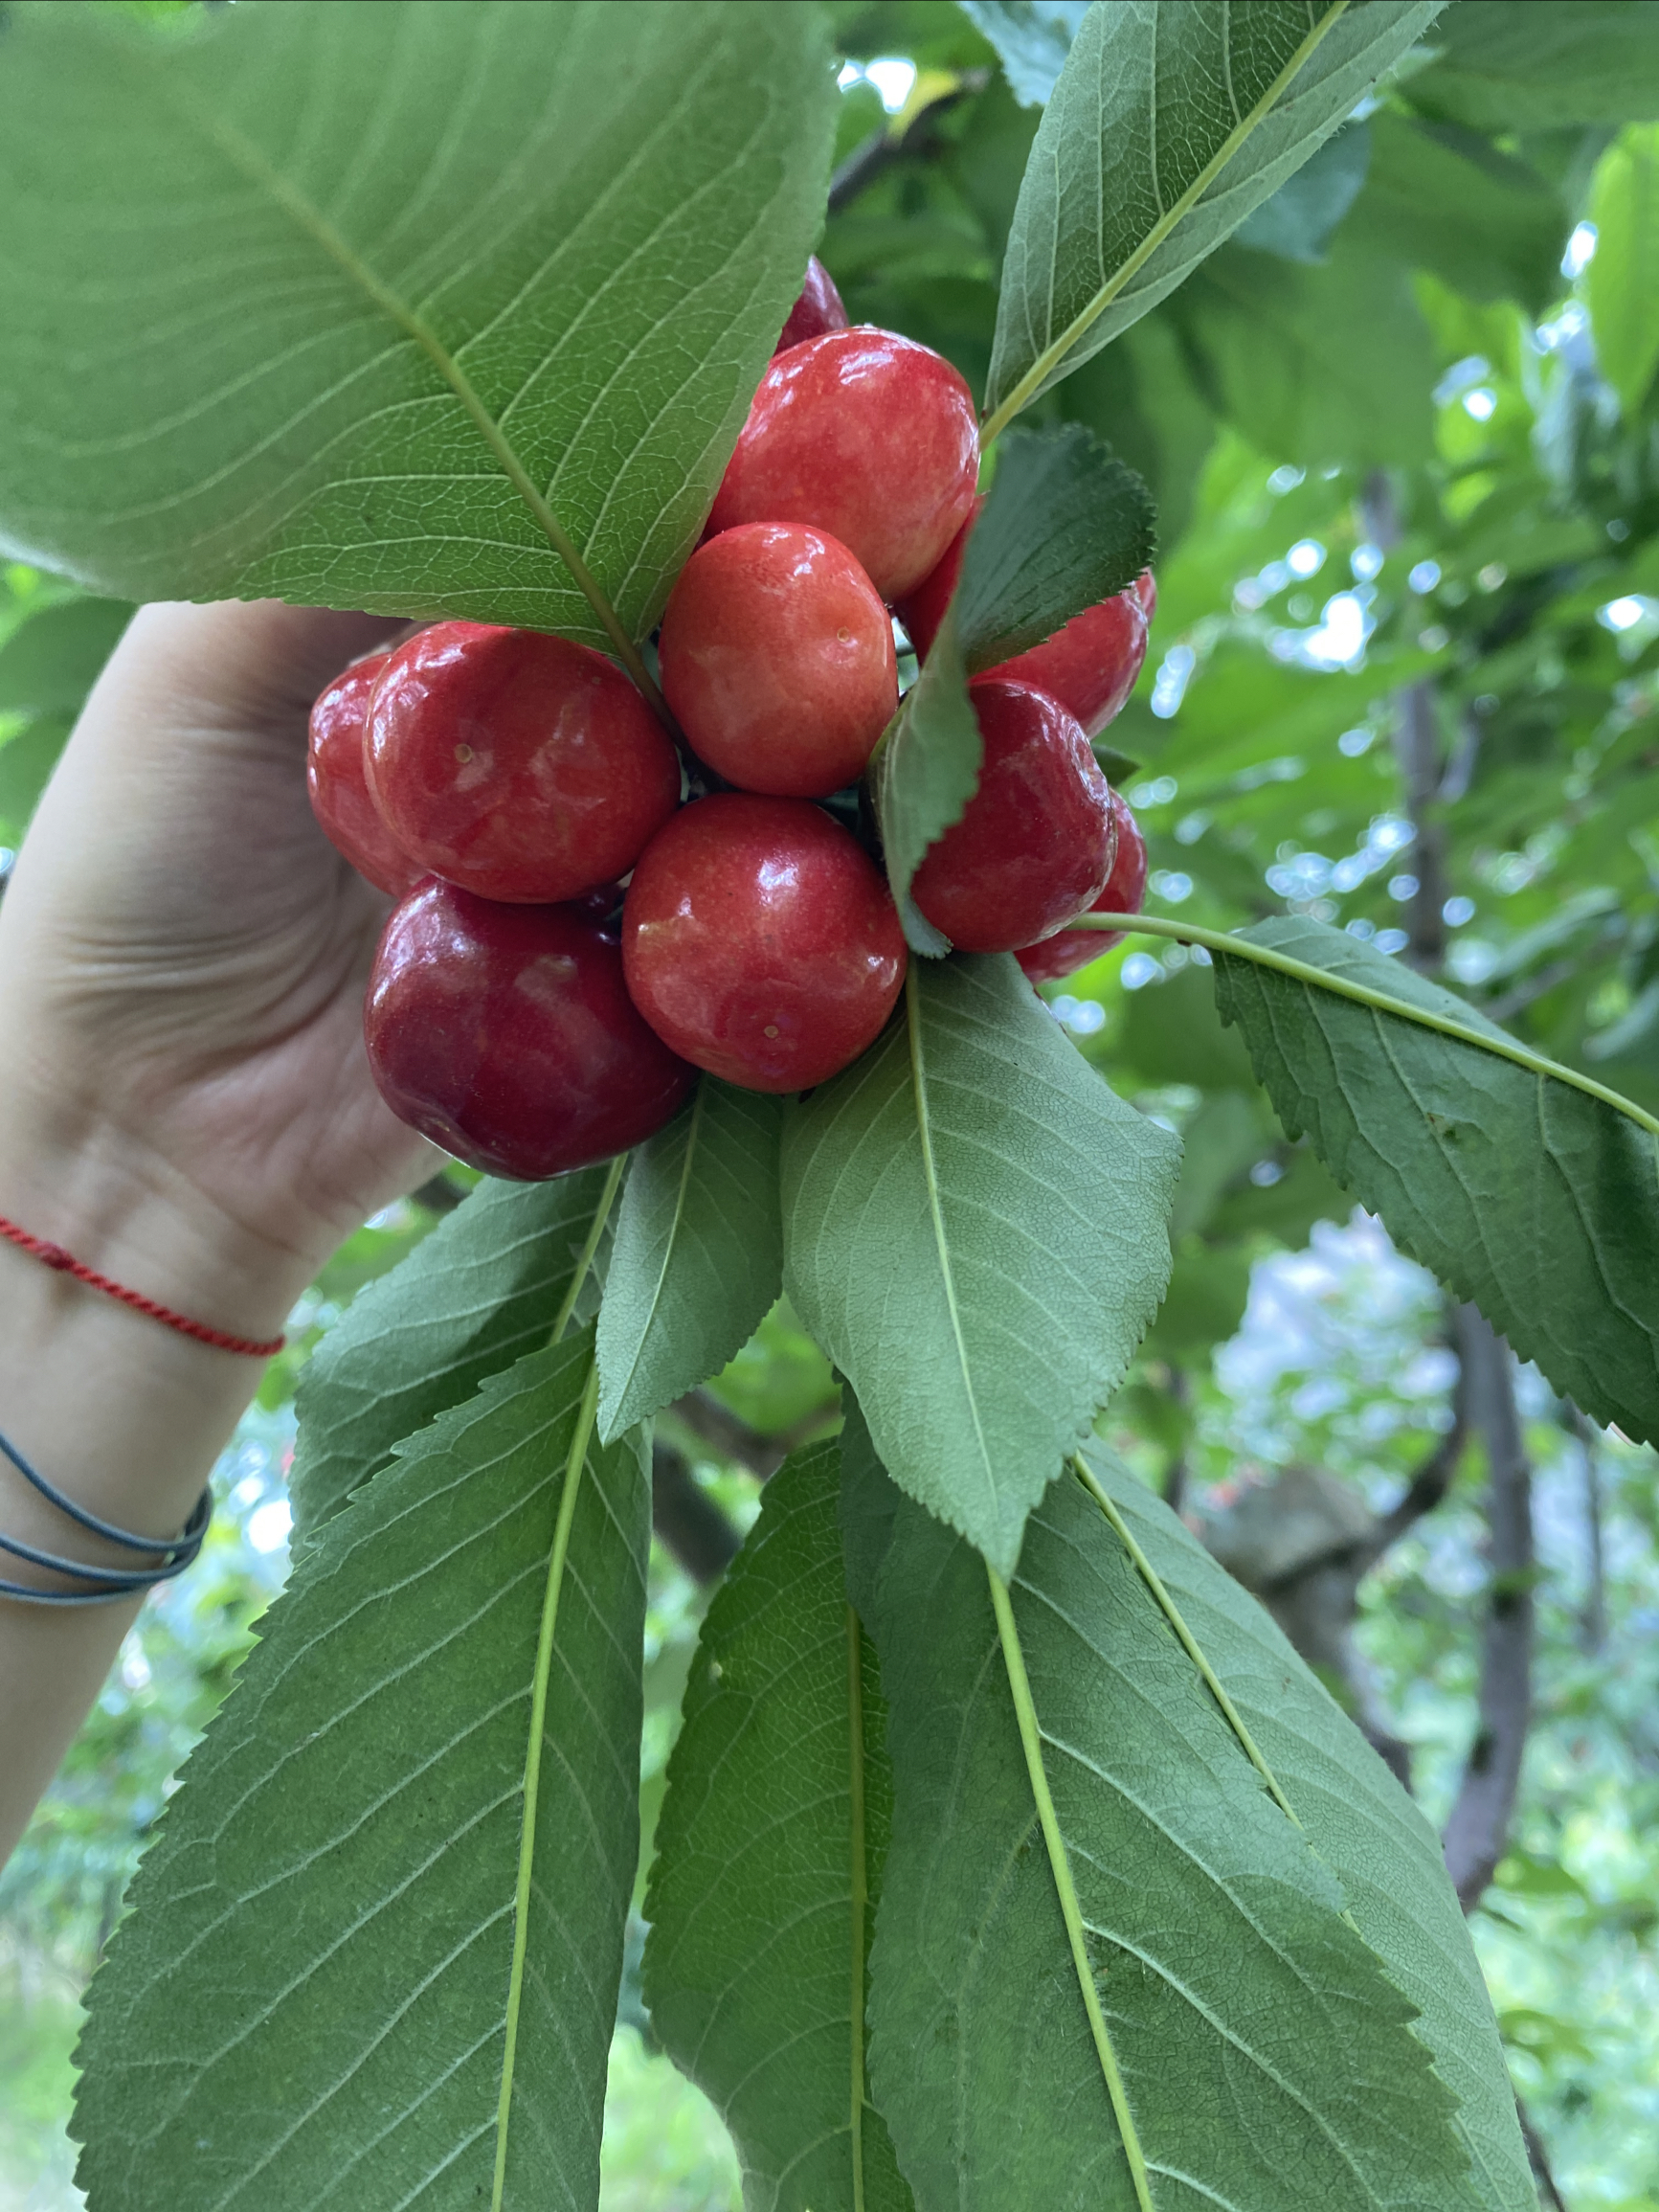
(177,1552)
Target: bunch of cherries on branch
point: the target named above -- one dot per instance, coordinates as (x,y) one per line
(574,937)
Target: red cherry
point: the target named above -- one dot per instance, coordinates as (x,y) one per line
(1125,894)
(924,609)
(1034,846)
(334,776)
(867,436)
(818,309)
(760,941)
(505,1034)
(517,765)
(777,659)
(1090,665)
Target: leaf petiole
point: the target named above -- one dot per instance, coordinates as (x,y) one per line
(1502,1047)
(584,1257)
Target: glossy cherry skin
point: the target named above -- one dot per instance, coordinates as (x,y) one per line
(760,941)
(923,610)
(334,775)
(1090,665)
(519,766)
(818,309)
(505,1034)
(1124,893)
(777,659)
(1035,846)
(867,436)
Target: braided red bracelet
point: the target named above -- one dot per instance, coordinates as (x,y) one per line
(65,1263)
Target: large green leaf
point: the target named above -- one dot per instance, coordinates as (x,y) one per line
(1622,280)
(484,1288)
(698,1257)
(1100,1912)
(1170,122)
(375,1949)
(1443,200)
(353,304)
(974,1230)
(1524,1193)
(1356,1817)
(1321,363)
(769,1852)
(1538,64)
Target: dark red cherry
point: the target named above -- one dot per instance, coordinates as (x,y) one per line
(818,309)
(924,609)
(519,766)
(1034,846)
(1090,665)
(867,436)
(777,659)
(760,941)
(505,1034)
(334,776)
(1124,893)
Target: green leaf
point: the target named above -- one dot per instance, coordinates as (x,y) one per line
(1170,122)
(1032,38)
(768,1854)
(923,774)
(1622,280)
(1098,1911)
(1524,1193)
(1539,64)
(1318,364)
(1441,198)
(27,760)
(51,660)
(372,307)
(698,1257)
(1065,527)
(484,1288)
(974,1230)
(1298,221)
(1356,1817)
(375,1949)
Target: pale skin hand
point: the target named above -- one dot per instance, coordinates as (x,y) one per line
(186,1103)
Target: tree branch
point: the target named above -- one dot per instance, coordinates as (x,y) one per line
(692,1526)
(1478,1828)
(731,1438)
(885,148)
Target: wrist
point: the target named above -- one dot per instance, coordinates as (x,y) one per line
(125,1212)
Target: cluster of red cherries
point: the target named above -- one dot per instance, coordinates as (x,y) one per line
(575,937)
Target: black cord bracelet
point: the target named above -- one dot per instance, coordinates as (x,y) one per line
(175,1553)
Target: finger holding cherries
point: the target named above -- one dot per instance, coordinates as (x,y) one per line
(532,1015)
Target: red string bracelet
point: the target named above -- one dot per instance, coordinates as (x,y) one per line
(62,1262)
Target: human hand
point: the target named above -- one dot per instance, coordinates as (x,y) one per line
(182,964)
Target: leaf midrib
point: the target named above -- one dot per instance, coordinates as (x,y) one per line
(576,1463)
(244,156)
(936,1206)
(1057,348)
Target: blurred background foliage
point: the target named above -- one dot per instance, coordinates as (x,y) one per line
(1403,433)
